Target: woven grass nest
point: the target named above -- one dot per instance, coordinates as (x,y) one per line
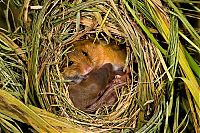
(46,33)
(105,21)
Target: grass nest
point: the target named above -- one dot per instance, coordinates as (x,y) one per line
(65,22)
(43,37)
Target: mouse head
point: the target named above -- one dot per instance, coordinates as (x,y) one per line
(78,63)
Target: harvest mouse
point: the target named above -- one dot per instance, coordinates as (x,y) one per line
(89,90)
(87,56)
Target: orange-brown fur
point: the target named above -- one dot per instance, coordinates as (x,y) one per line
(87,56)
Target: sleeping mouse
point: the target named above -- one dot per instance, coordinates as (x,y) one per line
(90,90)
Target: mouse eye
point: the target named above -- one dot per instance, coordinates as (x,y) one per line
(85,53)
(70,63)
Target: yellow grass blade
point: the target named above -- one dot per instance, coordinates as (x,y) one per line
(7,122)
(60,123)
(15,109)
(194,90)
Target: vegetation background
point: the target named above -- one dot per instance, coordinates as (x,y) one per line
(163,49)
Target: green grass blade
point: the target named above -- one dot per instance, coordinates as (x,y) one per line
(194,66)
(148,33)
(186,23)
(176,114)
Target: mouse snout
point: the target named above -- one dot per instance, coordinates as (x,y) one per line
(86,69)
